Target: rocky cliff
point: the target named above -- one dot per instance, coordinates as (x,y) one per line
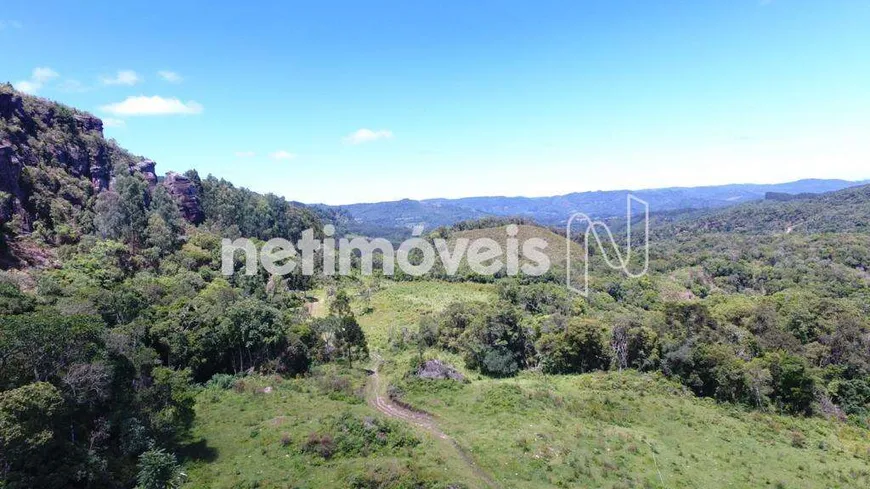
(186,195)
(54,161)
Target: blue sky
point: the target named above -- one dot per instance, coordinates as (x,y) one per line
(342,102)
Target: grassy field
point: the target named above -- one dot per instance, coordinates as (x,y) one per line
(400,305)
(631,430)
(605,430)
(312,433)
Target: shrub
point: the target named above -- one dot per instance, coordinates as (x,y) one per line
(496,342)
(13,301)
(580,348)
(158,470)
(793,384)
(798,440)
(221,381)
(499,363)
(320,445)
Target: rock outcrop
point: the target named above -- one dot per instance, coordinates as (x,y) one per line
(10,103)
(146,169)
(51,151)
(186,194)
(438,370)
(88,123)
(39,137)
(10,176)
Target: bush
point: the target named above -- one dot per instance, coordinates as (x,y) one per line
(13,301)
(320,445)
(793,384)
(499,363)
(580,348)
(221,381)
(798,440)
(635,346)
(719,373)
(158,470)
(454,321)
(496,342)
(854,396)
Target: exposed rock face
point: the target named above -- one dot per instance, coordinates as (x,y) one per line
(100,173)
(89,123)
(146,168)
(186,195)
(40,137)
(10,103)
(437,370)
(64,137)
(10,175)
(49,151)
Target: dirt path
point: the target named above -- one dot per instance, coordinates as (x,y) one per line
(385,405)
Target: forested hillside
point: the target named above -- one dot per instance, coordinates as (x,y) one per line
(845,210)
(112,305)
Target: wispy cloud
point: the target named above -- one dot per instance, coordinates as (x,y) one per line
(245,154)
(282,155)
(367,135)
(38,79)
(112,122)
(123,77)
(170,76)
(156,105)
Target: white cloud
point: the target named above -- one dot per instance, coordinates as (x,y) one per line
(245,154)
(282,155)
(112,122)
(367,135)
(170,76)
(38,79)
(123,77)
(156,105)
(27,86)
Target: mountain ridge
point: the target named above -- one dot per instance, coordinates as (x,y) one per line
(396,217)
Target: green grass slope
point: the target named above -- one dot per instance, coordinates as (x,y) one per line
(623,430)
(313,433)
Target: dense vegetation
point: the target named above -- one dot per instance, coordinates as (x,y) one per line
(102,349)
(770,321)
(100,360)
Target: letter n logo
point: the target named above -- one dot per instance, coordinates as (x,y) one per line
(614,257)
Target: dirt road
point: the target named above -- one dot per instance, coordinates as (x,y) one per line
(380,401)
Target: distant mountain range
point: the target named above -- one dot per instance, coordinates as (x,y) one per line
(842,211)
(397,217)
